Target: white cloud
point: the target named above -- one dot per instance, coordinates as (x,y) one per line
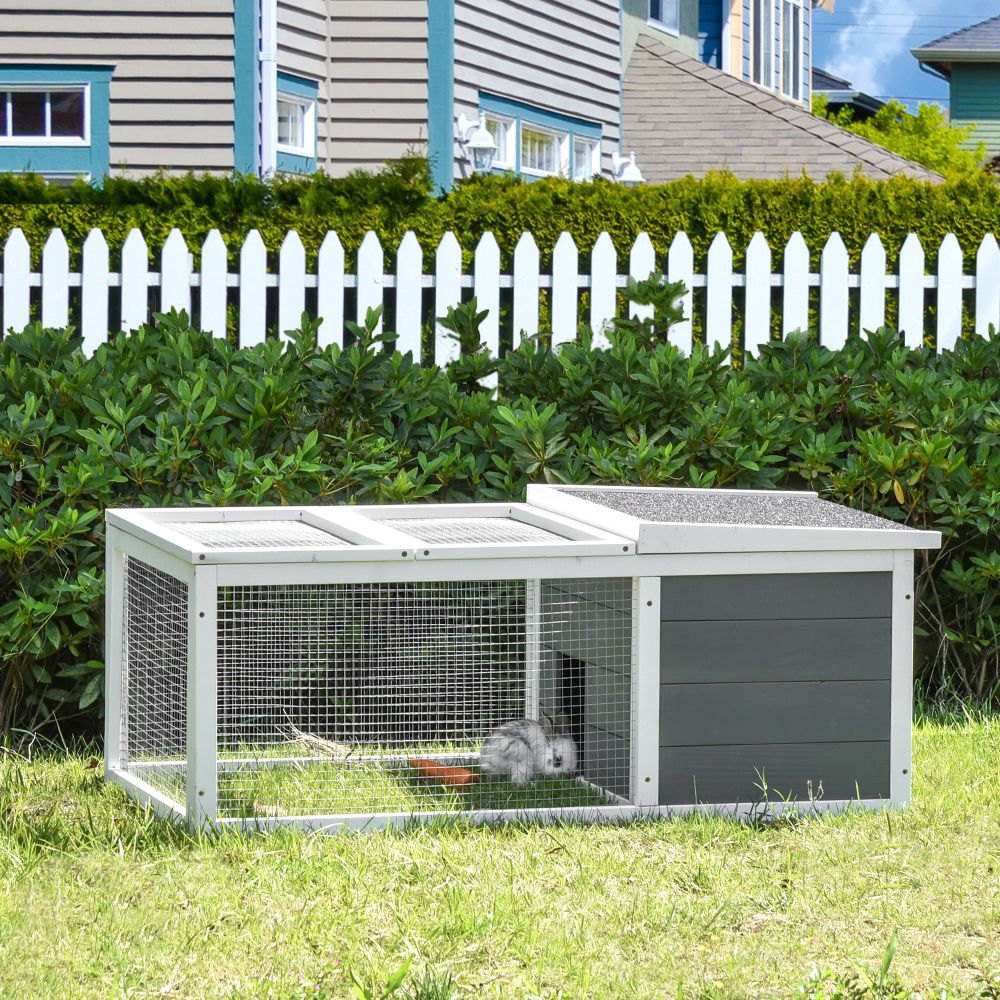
(862,54)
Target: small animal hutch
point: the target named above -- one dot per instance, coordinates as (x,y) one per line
(330,667)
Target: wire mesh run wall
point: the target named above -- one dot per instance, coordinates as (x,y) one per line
(153,724)
(353,699)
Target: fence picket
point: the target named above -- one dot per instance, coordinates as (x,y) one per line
(330,291)
(371,265)
(833,303)
(603,293)
(94,293)
(486,288)
(911,291)
(55,281)
(253,290)
(214,284)
(757,316)
(135,281)
(525,307)
(291,283)
(987,285)
(175,274)
(565,290)
(409,294)
(16,287)
(719,307)
(871,314)
(641,263)
(680,267)
(448,275)
(949,297)
(795,312)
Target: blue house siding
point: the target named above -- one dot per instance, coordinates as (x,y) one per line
(974,87)
(441,91)
(747,34)
(710,32)
(246,87)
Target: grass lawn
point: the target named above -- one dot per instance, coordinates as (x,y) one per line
(98,899)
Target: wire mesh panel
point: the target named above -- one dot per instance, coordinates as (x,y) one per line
(472,530)
(154,678)
(413,697)
(256,534)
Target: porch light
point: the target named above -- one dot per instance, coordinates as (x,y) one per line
(626,170)
(477,143)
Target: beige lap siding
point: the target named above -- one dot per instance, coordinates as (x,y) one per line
(376,82)
(172,88)
(559,56)
(304,51)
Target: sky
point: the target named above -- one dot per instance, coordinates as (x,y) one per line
(869,42)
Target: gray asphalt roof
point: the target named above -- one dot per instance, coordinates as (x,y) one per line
(981,37)
(682,117)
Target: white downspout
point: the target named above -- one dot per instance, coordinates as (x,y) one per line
(268,87)
(726,53)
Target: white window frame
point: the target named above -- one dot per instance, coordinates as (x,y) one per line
(508,126)
(593,168)
(308,105)
(765,54)
(799,54)
(664,22)
(47,140)
(561,137)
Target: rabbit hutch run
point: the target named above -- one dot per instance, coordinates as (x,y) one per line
(594,653)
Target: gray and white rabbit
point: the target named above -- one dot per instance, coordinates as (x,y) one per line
(524,750)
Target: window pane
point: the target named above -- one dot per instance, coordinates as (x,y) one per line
(584,155)
(654,10)
(498,130)
(539,151)
(291,124)
(3,113)
(67,113)
(28,113)
(763,42)
(797,53)
(786,48)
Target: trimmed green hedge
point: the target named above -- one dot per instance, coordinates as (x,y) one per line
(399,199)
(171,416)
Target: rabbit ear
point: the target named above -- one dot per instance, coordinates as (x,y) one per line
(548,721)
(560,724)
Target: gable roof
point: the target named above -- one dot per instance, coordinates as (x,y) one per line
(981,37)
(682,117)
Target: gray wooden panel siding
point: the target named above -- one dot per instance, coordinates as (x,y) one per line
(788,675)
(778,650)
(376,82)
(557,56)
(172,88)
(782,595)
(740,773)
(774,712)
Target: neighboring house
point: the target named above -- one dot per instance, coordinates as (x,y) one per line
(98,87)
(969,59)
(841,94)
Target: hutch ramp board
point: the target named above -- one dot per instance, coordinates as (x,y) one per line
(592,654)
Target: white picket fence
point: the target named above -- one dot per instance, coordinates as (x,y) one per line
(55,291)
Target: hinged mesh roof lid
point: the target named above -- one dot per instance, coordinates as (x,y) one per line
(256,534)
(472,530)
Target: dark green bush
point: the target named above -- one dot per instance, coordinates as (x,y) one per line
(172,416)
(399,198)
